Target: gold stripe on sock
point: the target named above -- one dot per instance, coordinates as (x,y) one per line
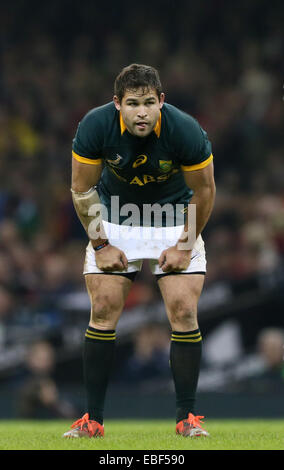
(191,335)
(187,340)
(99,333)
(104,338)
(191,338)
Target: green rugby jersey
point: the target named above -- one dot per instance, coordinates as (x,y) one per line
(142,170)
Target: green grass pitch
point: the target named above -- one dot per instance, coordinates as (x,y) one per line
(144,435)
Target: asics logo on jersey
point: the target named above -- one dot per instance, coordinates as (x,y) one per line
(140,161)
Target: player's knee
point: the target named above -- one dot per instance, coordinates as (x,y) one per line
(104,309)
(183,314)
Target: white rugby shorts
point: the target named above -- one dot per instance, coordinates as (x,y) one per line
(139,243)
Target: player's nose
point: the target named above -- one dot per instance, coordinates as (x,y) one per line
(142,112)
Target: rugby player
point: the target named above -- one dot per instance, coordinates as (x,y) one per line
(129,154)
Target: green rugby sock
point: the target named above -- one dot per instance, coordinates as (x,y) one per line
(185,357)
(98,353)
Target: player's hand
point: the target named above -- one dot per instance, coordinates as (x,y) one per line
(111,258)
(173,259)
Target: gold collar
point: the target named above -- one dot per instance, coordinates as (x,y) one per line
(157,128)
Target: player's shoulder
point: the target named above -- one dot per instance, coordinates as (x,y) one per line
(183,130)
(186,135)
(101,116)
(94,129)
(179,120)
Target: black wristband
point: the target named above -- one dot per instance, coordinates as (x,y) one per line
(99,247)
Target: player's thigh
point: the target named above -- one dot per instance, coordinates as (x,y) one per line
(181,293)
(107,294)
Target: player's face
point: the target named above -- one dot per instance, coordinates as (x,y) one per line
(140,110)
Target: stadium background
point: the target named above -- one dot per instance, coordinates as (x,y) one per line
(223,63)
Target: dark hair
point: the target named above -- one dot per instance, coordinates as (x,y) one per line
(135,76)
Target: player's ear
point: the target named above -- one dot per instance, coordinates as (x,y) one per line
(116,102)
(162,99)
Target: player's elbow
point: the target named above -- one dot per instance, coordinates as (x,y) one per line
(206,192)
(212,190)
(84,176)
(80,186)
(78,182)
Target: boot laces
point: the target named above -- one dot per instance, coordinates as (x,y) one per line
(82,421)
(195,421)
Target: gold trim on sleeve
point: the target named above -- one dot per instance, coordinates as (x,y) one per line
(90,161)
(198,166)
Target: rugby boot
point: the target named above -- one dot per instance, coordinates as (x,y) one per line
(85,427)
(191,427)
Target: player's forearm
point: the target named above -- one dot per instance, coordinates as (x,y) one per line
(196,220)
(88,208)
(86,199)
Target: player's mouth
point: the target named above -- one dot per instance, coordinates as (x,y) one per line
(141,125)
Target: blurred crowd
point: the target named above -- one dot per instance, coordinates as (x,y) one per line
(218,62)
(147,369)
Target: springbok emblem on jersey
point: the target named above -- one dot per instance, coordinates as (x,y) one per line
(165,165)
